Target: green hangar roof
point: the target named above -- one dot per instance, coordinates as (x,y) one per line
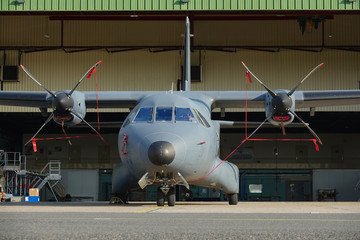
(19,6)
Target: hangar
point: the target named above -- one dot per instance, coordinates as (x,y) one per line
(140,45)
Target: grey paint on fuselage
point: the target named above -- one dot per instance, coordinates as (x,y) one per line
(196,146)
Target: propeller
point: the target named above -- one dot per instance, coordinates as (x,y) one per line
(283,105)
(62,103)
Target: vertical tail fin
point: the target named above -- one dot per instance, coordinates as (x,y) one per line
(186,81)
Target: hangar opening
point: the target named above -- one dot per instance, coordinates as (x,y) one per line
(144,53)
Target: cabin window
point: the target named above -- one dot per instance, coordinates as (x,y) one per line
(164,114)
(184,115)
(144,115)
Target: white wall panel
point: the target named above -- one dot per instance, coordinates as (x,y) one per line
(81,183)
(344,181)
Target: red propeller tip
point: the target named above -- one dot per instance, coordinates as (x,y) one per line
(243,63)
(321,64)
(22,66)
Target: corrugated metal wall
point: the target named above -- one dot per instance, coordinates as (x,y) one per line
(143,70)
(170,5)
(123,33)
(30,31)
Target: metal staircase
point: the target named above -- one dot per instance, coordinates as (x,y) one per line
(13,166)
(50,175)
(18,179)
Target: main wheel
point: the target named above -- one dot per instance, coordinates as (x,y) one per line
(160,197)
(233,199)
(171,197)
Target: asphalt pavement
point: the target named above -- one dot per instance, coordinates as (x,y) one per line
(188,220)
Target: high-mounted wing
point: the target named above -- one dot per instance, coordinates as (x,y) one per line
(235,99)
(26,99)
(307,99)
(115,99)
(303,99)
(109,99)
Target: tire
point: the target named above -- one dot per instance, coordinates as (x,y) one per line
(171,197)
(233,199)
(160,198)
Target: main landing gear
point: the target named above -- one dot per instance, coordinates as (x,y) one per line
(233,199)
(165,192)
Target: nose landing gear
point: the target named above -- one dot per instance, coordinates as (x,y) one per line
(165,192)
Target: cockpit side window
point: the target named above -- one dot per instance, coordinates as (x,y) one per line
(144,115)
(201,118)
(128,119)
(164,114)
(184,115)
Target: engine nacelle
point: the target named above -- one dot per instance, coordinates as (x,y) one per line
(279,108)
(74,103)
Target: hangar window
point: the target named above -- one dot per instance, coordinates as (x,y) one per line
(255,188)
(184,115)
(144,115)
(164,114)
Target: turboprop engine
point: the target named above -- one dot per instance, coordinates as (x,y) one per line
(68,106)
(280,105)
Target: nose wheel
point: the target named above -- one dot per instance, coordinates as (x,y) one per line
(171,197)
(165,192)
(160,197)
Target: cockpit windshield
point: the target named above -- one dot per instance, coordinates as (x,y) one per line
(164,114)
(184,115)
(144,115)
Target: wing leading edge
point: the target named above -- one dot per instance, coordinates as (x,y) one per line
(26,99)
(303,99)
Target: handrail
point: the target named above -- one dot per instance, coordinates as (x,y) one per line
(12,159)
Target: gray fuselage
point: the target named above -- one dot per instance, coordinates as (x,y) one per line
(165,146)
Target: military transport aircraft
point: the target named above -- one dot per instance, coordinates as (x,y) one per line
(169,138)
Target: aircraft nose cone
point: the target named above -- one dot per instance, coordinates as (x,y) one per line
(161,153)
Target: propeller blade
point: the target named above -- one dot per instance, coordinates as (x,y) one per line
(46,122)
(267,89)
(259,127)
(292,91)
(88,73)
(33,78)
(307,126)
(82,119)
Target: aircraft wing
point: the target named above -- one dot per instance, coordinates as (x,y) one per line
(115,99)
(235,99)
(218,99)
(106,99)
(26,99)
(303,99)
